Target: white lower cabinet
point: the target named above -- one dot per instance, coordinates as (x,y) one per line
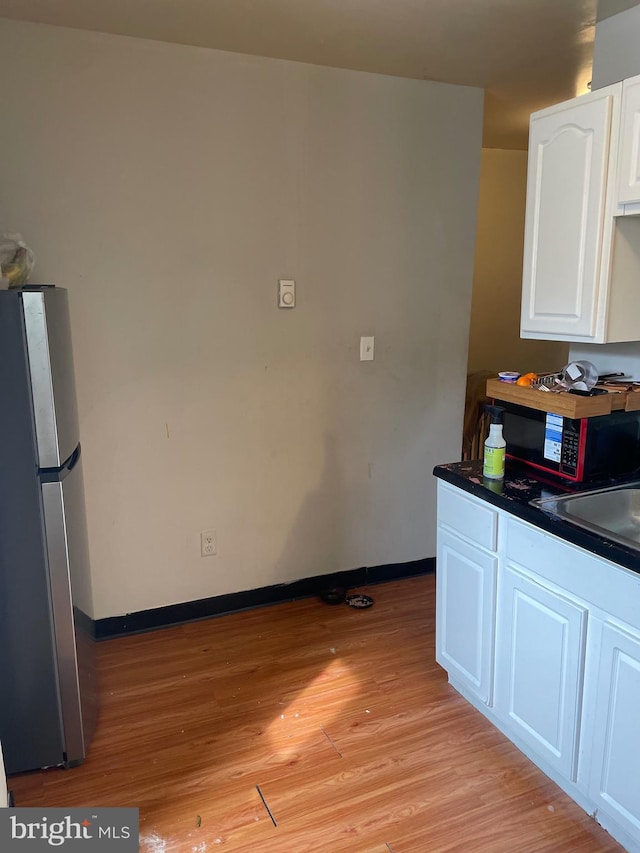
(544,639)
(466,590)
(614,785)
(465,607)
(540,650)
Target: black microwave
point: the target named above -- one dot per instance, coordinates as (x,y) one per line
(580,450)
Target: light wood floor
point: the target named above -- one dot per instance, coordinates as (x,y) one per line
(339,718)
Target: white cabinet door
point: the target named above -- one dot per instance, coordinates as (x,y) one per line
(540,647)
(629,167)
(615,762)
(465,613)
(569,218)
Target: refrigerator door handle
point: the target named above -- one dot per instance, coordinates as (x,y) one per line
(73,460)
(63,621)
(70,590)
(55,475)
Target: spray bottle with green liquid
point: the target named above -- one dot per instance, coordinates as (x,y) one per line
(494,446)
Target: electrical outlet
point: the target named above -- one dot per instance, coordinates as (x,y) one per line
(208,546)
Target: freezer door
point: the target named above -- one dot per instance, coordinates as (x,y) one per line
(70,582)
(50,358)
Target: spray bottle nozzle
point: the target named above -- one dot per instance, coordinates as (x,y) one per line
(495,413)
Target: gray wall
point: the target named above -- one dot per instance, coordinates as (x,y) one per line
(607,8)
(616,53)
(169,188)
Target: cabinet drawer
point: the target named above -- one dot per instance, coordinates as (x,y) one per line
(476,520)
(604,585)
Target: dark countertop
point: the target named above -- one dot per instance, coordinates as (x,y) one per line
(519,487)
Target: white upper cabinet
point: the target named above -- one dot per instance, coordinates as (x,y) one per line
(581,253)
(569,204)
(629,171)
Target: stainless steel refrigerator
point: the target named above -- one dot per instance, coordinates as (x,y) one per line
(48,693)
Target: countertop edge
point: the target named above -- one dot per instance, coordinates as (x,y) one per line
(467,476)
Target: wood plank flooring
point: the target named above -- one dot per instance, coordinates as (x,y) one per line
(308,728)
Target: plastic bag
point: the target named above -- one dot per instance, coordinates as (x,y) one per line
(16,259)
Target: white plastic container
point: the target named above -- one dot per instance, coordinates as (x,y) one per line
(495,447)
(580,375)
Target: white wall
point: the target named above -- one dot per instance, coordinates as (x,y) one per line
(610,358)
(169,188)
(494,339)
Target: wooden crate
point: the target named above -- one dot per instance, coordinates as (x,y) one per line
(563,403)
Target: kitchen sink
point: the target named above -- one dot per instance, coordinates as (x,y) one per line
(613,513)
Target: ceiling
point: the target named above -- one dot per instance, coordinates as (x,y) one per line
(526,54)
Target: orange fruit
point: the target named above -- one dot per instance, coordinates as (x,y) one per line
(526,379)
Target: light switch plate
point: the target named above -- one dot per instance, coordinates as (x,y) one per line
(366,348)
(286,293)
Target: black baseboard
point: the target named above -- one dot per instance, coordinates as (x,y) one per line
(221,605)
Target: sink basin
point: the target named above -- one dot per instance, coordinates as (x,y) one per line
(613,513)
